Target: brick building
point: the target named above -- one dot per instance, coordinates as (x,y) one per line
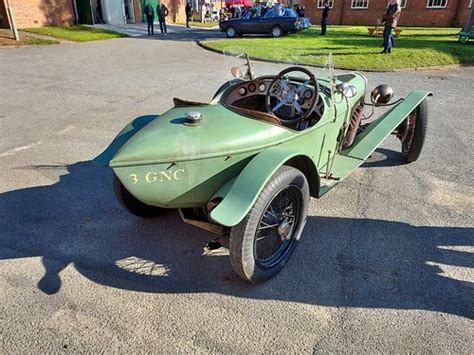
(438,13)
(35,13)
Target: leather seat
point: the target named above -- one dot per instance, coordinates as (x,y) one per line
(264,116)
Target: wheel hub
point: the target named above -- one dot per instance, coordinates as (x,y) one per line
(290,96)
(284,230)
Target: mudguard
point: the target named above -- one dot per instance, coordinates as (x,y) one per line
(241,193)
(366,142)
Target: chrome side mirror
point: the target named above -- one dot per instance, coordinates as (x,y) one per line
(236,72)
(381,95)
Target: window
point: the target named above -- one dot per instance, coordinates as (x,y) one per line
(436,4)
(359,4)
(403,3)
(321,3)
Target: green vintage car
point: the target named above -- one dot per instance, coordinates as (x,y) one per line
(247,163)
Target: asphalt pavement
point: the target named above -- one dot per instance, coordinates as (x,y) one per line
(385,263)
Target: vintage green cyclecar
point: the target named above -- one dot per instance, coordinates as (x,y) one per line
(247,163)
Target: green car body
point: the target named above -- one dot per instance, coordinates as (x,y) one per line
(164,162)
(229,157)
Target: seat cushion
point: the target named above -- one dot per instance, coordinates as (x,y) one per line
(264,116)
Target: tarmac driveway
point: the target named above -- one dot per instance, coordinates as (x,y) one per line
(175,32)
(385,262)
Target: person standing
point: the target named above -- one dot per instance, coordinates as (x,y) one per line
(296,8)
(391,20)
(162,12)
(189,12)
(203,12)
(324,20)
(302,9)
(150,17)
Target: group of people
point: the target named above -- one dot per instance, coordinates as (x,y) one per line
(299,10)
(161,11)
(207,11)
(390,18)
(260,10)
(235,12)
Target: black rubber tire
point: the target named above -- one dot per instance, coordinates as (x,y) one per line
(242,236)
(413,152)
(229,35)
(134,206)
(281,31)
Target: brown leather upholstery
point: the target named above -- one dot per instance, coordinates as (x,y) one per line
(180,103)
(264,116)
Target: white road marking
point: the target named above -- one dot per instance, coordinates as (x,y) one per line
(15,150)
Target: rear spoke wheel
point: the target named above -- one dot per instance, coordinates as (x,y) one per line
(264,241)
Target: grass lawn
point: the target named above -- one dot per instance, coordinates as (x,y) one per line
(200,24)
(353,48)
(76,33)
(7,39)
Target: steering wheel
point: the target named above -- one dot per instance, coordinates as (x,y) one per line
(290,94)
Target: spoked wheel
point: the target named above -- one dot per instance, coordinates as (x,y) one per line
(264,241)
(412,132)
(275,237)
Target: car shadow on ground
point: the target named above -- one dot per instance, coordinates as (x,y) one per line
(383,157)
(341,262)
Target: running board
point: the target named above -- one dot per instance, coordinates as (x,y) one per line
(366,142)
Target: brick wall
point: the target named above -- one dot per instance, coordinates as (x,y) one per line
(137,11)
(37,13)
(176,10)
(414,14)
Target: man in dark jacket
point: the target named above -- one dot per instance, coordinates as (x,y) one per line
(189,12)
(162,12)
(391,20)
(150,17)
(302,10)
(324,20)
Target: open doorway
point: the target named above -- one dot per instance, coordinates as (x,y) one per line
(113,12)
(129,11)
(84,12)
(96,6)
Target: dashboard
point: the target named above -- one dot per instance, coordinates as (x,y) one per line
(251,95)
